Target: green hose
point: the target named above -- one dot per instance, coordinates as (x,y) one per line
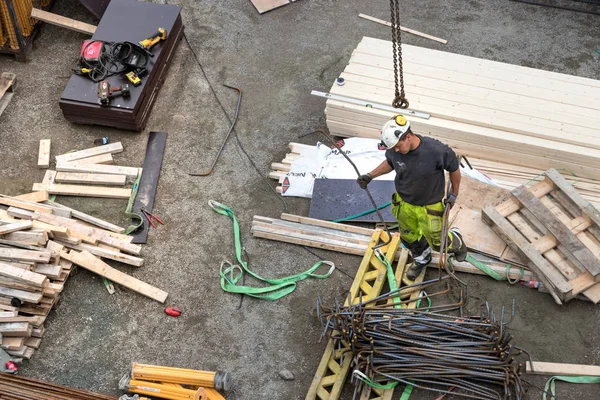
(232,274)
(372,210)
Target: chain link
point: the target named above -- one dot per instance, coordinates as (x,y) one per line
(400,100)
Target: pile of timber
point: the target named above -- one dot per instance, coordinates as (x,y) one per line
(279,170)
(557,232)
(14,387)
(346,239)
(79,101)
(40,241)
(85,173)
(483,109)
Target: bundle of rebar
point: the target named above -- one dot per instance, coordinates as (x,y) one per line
(18,388)
(471,356)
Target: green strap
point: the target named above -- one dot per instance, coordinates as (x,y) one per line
(390,276)
(551,384)
(232,274)
(392,385)
(129,211)
(491,272)
(372,210)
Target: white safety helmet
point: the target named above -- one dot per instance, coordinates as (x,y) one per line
(394,130)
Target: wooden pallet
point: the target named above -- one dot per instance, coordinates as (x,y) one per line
(557,231)
(8,84)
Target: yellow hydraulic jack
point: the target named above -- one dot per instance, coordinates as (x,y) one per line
(175,383)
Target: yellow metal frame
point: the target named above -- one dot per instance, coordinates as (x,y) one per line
(368,283)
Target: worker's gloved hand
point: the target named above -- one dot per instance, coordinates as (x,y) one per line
(451,199)
(364,180)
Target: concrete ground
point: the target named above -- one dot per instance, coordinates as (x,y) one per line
(276,59)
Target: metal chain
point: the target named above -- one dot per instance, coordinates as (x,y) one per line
(400,100)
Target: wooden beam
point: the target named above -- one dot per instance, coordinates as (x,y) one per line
(63,22)
(36,197)
(93,151)
(106,253)
(90,178)
(44,154)
(547,368)
(87,260)
(98,169)
(12,329)
(14,227)
(11,201)
(403,29)
(99,159)
(28,297)
(84,191)
(89,219)
(21,275)
(24,255)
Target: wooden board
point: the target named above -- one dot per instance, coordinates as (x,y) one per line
(404,29)
(14,227)
(44,154)
(24,255)
(90,178)
(24,204)
(90,219)
(99,159)
(83,191)
(546,368)
(262,6)
(88,261)
(63,22)
(106,253)
(98,169)
(36,197)
(111,148)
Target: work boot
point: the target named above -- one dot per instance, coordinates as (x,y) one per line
(459,248)
(418,264)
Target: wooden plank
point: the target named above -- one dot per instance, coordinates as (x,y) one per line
(44,154)
(98,169)
(49,177)
(110,148)
(22,295)
(87,260)
(33,342)
(326,224)
(90,178)
(91,220)
(580,253)
(12,343)
(547,368)
(262,6)
(36,321)
(15,329)
(551,278)
(26,205)
(24,255)
(106,253)
(95,233)
(99,159)
(21,275)
(512,205)
(61,21)
(403,29)
(14,227)
(36,197)
(84,191)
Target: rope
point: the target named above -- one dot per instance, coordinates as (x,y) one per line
(371,211)
(277,288)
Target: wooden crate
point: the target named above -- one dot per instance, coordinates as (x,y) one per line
(557,231)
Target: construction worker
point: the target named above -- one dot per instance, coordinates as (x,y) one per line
(419,162)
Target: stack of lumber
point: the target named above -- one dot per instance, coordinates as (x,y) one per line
(86,173)
(79,101)
(483,109)
(345,239)
(556,231)
(14,387)
(279,170)
(40,240)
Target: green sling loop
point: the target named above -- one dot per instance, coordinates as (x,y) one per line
(129,211)
(551,384)
(232,274)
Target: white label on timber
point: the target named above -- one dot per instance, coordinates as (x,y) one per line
(149,389)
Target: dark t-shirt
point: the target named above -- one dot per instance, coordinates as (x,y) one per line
(420,173)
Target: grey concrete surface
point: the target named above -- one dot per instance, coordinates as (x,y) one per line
(277,59)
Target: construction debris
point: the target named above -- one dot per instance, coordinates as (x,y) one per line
(8,83)
(39,243)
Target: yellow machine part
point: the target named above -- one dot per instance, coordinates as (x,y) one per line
(173,375)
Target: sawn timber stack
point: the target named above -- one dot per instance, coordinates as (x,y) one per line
(121,22)
(483,109)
